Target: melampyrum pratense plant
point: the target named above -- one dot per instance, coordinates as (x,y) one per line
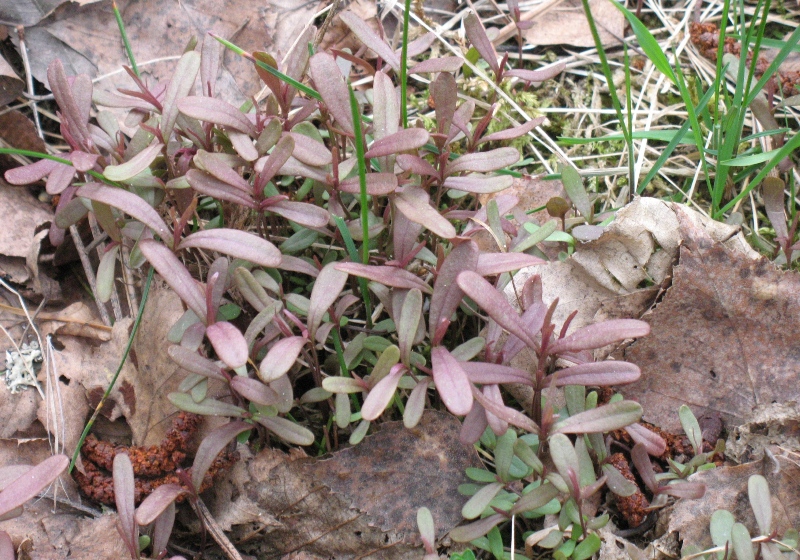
(319,168)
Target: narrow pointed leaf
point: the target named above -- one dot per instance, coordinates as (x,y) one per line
(446,293)
(400,141)
(219,167)
(601,334)
(480,500)
(416,164)
(483,162)
(228,343)
(414,203)
(175,274)
(479,184)
(444,92)
(382,393)
(564,457)
(331,86)
(214,442)
(602,419)
(494,304)
(484,373)
(477,36)
(135,165)
(537,75)
(596,374)
(386,275)
(371,39)
(490,264)
(208,185)
(536,498)
(124,488)
(286,430)
(327,289)
(280,358)
(129,203)
(181,83)
(236,243)
(451,382)
(154,504)
(216,111)
(33,481)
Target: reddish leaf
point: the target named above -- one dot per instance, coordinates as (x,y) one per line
(206,184)
(124,488)
(476,529)
(28,174)
(512,133)
(33,481)
(331,86)
(400,141)
(296,167)
(216,111)
(243,144)
(280,154)
(490,264)
(303,213)
(236,243)
(446,294)
(483,162)
(601,334)
(82,161)
(327,289)
(537,75)
(385,106)
(280,358)
(479,184)
(439,64)
(367,36)
(687,490)
(476,34)
(414,203)
(214,442)
(653,443)
(217,165)
(644,467)
(386,275)
(154,504)
(74,99)
(377,184)
(492,393)
(451,382)
(228,343)
(175,274)
(597,374)
(181,83)
(309,151)
(484,373)
(135,165)
(128,203)
(382,393)
(255,391)
(445,95)
(416,165)
(495,305)
(601,419)
(193,362)
(506,414)
(59,179)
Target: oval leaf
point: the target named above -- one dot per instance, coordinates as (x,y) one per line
(228,343)
(451,382)
(236,243)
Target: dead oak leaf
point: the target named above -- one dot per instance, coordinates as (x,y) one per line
(723,339)
(393,473)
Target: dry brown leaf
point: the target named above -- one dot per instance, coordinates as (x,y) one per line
(22,215)
(566,24)
(387,476)
(723,339)
(727,489)
(87,39)
(397,471)
(27,12)
(17,131)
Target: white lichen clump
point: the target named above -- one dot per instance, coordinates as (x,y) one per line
(19,367)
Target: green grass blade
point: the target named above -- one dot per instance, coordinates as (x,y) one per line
(99,406)
(647,42)
(277,73)
(125,42)
(404,67)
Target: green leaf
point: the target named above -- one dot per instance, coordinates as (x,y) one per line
(647,42)
(587,547)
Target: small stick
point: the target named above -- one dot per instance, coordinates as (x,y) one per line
(23,51)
